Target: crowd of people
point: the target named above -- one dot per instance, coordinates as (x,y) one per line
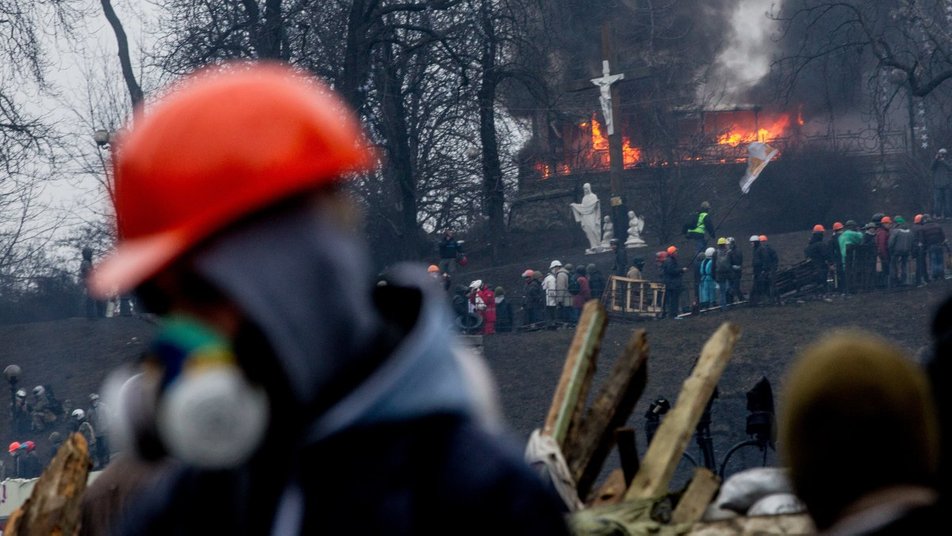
(300,395)
(878,254)
(885,252)
(40,418)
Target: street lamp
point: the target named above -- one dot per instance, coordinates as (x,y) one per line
(102,137)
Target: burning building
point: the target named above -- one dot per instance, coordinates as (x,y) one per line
(703,137)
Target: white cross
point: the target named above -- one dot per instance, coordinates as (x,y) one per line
(605,98)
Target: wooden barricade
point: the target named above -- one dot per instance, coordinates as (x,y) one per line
(633,297)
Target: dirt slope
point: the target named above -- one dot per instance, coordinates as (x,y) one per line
(75,355)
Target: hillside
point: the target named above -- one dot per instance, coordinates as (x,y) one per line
(75,355)
(72,356)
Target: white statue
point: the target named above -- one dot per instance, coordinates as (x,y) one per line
(635,226)
(589,215)
(608,232)
(604,84)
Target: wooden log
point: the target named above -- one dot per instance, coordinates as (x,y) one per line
(586,452)
(55,505)
(581,356)
(676,430)
(697,497)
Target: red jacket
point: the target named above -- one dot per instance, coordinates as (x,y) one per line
(882,243)
(584,293)
(489,298)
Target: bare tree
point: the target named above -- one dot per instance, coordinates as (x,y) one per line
(29,144)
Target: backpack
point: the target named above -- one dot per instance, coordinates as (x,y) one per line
(574,286)
(723,262)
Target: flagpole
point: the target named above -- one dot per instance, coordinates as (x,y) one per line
(728,212)
(765,154)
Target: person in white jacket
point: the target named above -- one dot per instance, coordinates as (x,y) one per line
(549,286)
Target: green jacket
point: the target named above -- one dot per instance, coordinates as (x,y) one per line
(849,238)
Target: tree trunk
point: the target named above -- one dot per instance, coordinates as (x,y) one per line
(125,61)
(494,192)
(356,64)
(268,33)
(399,169)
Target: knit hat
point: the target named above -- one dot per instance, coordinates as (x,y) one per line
(499,292)
(851,401)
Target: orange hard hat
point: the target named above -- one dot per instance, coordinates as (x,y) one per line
(763,238)
(225,143)
(672,250)
(886,219)
(917,218)
(15,446)
(837,226)
(818,228)
(432,269)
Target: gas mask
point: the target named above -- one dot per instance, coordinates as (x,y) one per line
(207,413)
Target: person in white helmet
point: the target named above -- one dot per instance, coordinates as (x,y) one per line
(78,423)
(295,394)
(552,297)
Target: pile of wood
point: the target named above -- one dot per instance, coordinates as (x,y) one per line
(635,499)
(798,279)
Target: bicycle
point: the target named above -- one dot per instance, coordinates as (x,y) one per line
(760,427)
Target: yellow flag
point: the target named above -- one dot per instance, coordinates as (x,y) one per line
(759,154)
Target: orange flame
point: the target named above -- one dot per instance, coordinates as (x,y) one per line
(630,155)
(599,141)
(736,136)
(543,170)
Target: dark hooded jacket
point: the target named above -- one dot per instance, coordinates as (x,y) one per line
(385,426)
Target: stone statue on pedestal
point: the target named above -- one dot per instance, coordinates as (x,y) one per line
(588,214)
(608,232)
(635,226)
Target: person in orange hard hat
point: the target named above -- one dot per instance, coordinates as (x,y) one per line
(836,257)
(279,370)
(672,275)
(819,256)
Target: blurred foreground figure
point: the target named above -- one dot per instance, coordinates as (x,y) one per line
(297,396)
(859,433)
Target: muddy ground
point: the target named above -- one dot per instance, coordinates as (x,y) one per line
(75,355)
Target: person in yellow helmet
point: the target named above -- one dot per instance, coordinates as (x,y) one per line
(295,395)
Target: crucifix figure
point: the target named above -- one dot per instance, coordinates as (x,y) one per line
(604,84)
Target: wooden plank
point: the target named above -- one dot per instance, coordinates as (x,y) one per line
(611,491)
(54,507)
(627,453)
(610,409)
(581,356)
(571,435)
(675,431)
(697,497)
